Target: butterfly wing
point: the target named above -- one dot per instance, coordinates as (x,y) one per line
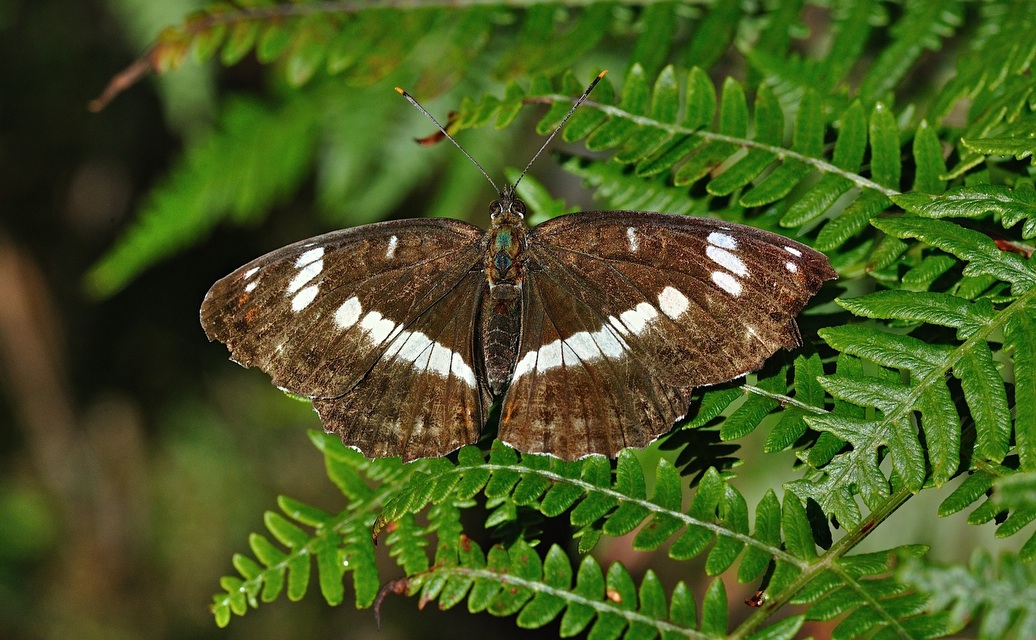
(423,397)
(577,388)
(323,315)
(664,302)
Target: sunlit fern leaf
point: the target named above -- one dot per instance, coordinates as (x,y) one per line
(863,592)
(983,389)
(516,581)
(1011,206)
(1000,595)
(924,389)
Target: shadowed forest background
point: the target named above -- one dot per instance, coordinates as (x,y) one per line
(135,459)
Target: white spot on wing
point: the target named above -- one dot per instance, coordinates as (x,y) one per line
(791,266)
(637,318)
(525,365)
(585,346)
(377,327)
(424,353)
(347,314)
(727,283)
(250,287)
(391,251)
(304,297)
(305,274)
(460,369)
(722,240)
(793,251)
(631,236)
(672,302)
(251,272)
(409,346)
(439,360)
(549,356)
(727,260)
(310,256)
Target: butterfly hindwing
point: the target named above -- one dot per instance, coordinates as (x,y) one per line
(425,396)
(318,314)
(578,386)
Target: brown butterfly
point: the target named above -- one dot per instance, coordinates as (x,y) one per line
(593,327)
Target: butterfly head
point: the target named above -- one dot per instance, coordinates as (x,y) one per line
(508,208)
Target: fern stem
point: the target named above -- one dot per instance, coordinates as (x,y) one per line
(651,507)
(780,152)
(829,562)
(784,400)
(607,606)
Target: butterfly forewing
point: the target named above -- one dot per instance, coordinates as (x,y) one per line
(700,301)
(317,315)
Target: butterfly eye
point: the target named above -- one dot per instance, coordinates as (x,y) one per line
(517,206)
(494,208)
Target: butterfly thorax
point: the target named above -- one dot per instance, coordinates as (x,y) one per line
(505,263)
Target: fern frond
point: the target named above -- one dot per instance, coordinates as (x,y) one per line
(1011,505)
(911,381)
(655,132)
(512,579)
(1001,595)
(339,543)
(515,581)
(234,174)
(1005,35)
(863,590)
(1011,206)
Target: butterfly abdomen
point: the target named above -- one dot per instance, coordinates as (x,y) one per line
(501,310)
(501,323)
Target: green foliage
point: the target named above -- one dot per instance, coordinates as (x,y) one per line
(514,579)
(1003,597)
(922,374)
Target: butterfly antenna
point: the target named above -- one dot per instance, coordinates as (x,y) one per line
(410,99)
(568,115)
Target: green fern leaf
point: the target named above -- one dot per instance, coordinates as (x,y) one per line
(1011,205)
(982,255)
(928,159)
(228,176)
(1004,594)
(657,26)
(849,149)
(924,25)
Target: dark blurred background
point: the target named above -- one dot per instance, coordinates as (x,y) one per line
(134,458)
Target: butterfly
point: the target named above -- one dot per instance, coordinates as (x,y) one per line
(592,327)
